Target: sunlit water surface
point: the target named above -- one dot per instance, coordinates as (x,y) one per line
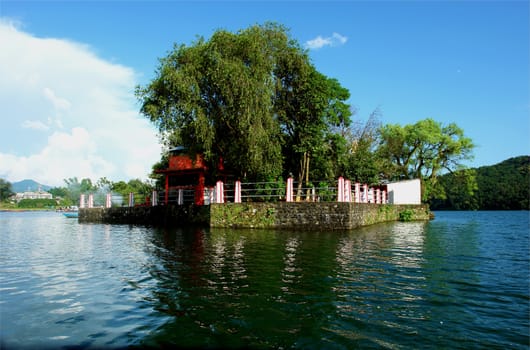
(460,281)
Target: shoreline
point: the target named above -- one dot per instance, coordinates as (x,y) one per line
(24,209)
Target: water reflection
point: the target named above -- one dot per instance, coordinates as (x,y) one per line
(408,243)
(276,288)
(379,284)
(290,271)
(449,283)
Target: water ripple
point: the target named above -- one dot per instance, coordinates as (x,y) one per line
(458,282)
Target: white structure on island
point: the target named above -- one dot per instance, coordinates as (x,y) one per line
(404,192)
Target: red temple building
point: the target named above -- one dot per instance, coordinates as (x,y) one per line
(185,177)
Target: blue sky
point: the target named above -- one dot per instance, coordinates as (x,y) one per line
(69,69)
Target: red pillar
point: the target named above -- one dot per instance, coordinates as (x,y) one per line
(199,191)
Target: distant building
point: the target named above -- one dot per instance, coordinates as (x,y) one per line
(32,195)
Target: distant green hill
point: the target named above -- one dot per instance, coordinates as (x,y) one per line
(503,186)
(28,185)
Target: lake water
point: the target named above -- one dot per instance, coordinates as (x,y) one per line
(460,281)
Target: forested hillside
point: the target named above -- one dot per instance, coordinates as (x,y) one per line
(503,186)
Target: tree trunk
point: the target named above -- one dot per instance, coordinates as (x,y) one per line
(308,194)
(301,175)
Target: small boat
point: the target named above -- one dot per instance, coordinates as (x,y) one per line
(71,214)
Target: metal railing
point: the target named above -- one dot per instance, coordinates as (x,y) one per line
(316,191)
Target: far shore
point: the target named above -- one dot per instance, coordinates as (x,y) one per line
(25,209)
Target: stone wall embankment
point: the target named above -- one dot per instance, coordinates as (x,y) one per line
(310,215)
(161,215)
(274,215)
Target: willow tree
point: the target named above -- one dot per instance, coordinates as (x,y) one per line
(424,150)
(215,98)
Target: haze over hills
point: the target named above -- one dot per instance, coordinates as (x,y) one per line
(28,186)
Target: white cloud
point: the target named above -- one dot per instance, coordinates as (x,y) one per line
(68,113)
(34,124)
(58,102)
(334,40)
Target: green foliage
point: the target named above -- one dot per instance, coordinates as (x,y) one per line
(361,162)
(251,97)
(73,189)
(5,190)
(141,190)
(215,96)
(70,194)
(309,107)
(59,192)
(326,193)
(8,205)
(457,191)
(41,203)
(406,215)
(503,186)
(271,189)
(159,179)
(423,149)
(254,99)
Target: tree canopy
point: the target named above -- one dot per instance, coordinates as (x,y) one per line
(5,189)
(424,150)
(252,98)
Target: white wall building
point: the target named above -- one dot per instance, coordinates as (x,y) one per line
(32,195)
(404,192)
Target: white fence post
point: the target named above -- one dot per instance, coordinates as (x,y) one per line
(357,193)
(340,190)
(90,200)
(154,198)
(219,192)
(289,190)
(131,199)
(209,195)
(82,201)
(108,200)
(347,191)
(180,196)
(377,196)
(237,190)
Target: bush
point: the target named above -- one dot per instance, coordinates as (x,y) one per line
(36,203)
(406,215)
